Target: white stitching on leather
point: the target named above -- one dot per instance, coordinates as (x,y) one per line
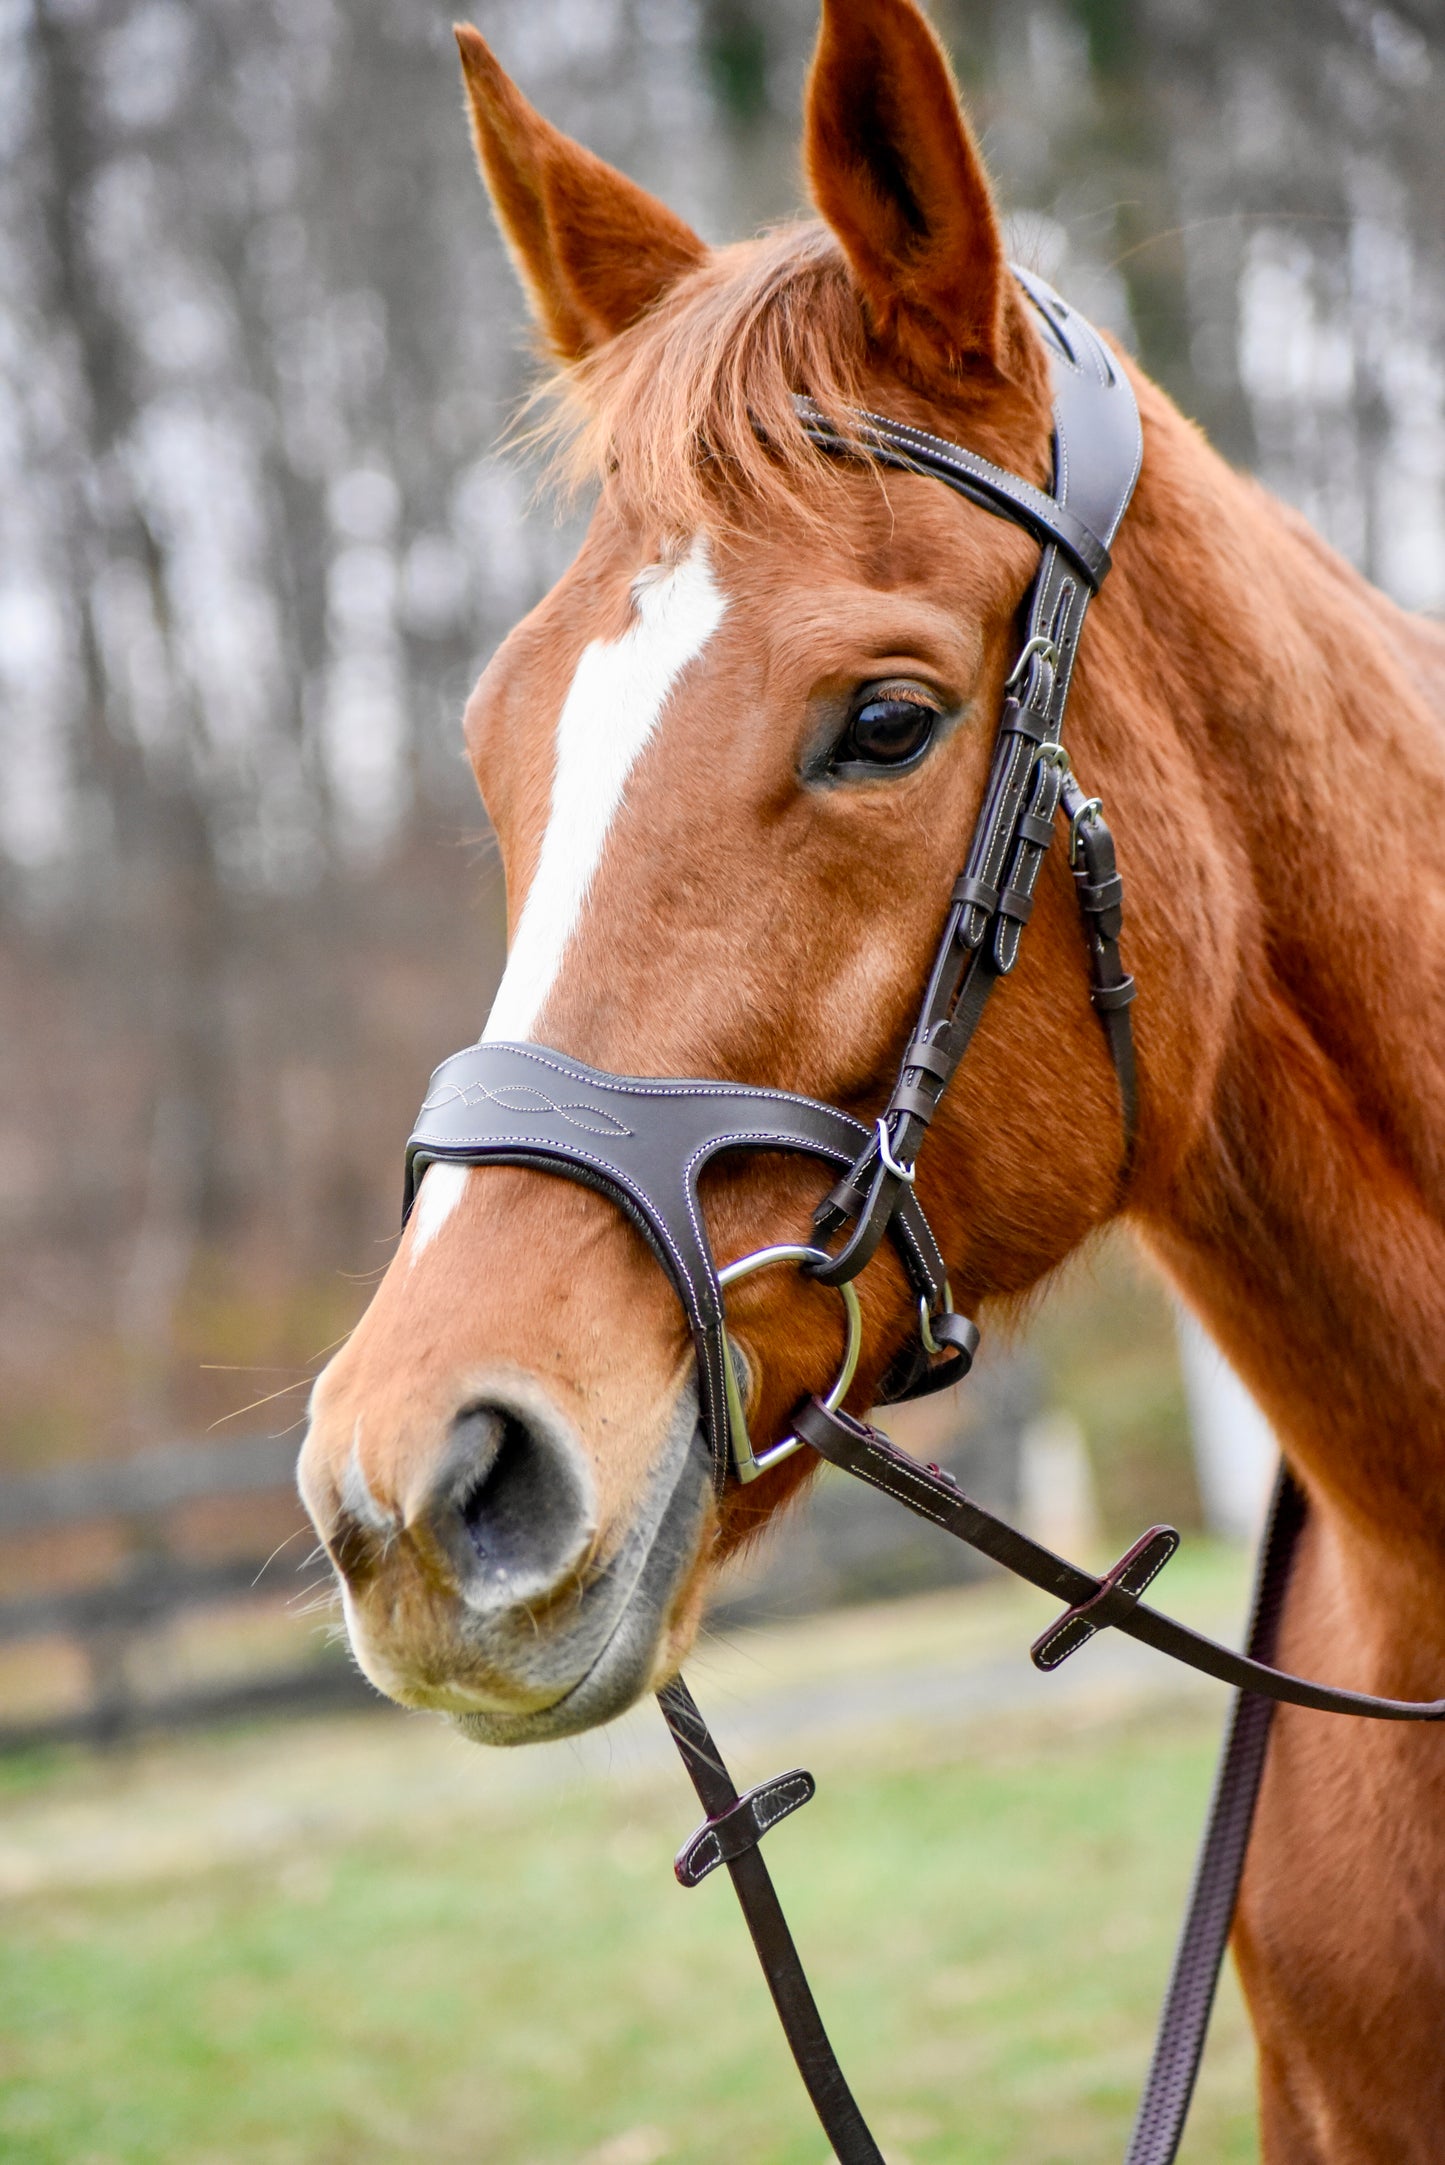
(643,1086)
(780,1798)
(1133,1595)
(698,1851)
(498,1097)
(1061,1630)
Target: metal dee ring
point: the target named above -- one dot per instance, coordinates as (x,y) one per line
(746,1462)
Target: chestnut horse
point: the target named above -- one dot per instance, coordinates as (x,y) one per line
(732,760)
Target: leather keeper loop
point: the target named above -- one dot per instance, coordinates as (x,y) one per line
(1096,896)
(1014,903)
(1112,996)
(1033,829)
(1023,722)
(845,1199)
(916,1099)
(930,1059)
(959,1335)
(975,894)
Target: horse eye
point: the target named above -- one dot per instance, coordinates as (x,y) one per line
(887,732)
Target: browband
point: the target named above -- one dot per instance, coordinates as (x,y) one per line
(894,443)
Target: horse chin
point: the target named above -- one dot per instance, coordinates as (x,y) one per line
(644,1594)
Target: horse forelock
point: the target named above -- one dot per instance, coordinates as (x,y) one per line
(688,416)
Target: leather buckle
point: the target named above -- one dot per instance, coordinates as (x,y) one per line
(742,1826)
(1119,1591)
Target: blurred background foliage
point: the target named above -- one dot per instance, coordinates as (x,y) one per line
(259,346)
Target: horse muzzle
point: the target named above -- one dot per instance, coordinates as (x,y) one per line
(489,1593)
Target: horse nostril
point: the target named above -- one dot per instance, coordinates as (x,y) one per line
(506,1503)
(517,1501)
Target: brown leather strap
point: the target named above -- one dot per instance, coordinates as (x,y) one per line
(1097,450)
(1188,2003)
(823,2078)
(742,1826)
(1101,898)
(1119,1589)
(895,443)
(932,1494)
(1184,2017)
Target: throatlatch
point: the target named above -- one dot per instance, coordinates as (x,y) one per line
(643,1141)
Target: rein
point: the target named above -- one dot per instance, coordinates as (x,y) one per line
(643,1142)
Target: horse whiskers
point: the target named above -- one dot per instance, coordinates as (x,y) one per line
(322,1352)
(296,1536)
(300,1384)
(312,1600)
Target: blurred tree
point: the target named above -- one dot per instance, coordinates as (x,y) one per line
(736,54)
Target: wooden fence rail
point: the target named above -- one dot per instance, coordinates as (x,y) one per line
(120,1558)
(153,1481)
(152,1578)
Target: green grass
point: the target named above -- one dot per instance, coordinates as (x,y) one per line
(988,1935)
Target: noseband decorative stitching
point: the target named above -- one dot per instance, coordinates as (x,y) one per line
(647,1140)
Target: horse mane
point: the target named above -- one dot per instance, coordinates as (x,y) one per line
(689,412)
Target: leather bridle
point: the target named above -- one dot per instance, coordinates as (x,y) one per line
(643,1142)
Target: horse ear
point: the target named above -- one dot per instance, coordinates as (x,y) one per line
(893,167)
(593,250)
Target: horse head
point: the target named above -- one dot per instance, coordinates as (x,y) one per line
(732,761)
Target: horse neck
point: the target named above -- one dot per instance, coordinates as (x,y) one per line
(1302,1209)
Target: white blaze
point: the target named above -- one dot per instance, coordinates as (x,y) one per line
(442,1188)
(609,716)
